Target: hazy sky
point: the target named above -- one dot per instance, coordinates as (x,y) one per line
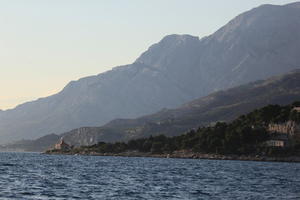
(44,44)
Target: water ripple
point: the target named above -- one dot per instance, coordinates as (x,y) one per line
(34,176)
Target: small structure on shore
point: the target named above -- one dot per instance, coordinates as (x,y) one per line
(62,145)
(276,143)
(283,134)
(296,109)
(289,128)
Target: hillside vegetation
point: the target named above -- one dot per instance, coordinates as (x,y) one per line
(246,135)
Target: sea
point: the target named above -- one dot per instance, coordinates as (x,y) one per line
(27,176)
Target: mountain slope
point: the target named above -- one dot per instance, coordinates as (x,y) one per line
(39,145)
(219,106)
(260,43)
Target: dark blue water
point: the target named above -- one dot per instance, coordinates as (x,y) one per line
(35,176)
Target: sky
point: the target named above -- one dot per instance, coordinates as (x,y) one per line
(44,44)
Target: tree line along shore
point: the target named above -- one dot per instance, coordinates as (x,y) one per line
(249,137)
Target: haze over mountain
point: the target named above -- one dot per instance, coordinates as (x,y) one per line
(219,106)
(260,43)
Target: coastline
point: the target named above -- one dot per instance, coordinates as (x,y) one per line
(188,155)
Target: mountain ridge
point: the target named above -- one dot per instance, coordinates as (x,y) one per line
(219,106)
(255,45)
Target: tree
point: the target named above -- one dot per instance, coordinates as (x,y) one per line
(157,147)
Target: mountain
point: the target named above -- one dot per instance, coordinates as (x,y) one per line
(257,44)
(219,106)
(38,145)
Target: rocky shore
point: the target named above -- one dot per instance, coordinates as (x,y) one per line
(185,155)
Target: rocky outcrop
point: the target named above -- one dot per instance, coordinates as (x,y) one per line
(62,146)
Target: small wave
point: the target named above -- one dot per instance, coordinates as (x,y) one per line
(8,164)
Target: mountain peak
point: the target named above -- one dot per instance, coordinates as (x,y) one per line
(256,23)
(169,47)
(178,38)
(295,4)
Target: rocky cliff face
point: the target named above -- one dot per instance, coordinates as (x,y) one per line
(257,44)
